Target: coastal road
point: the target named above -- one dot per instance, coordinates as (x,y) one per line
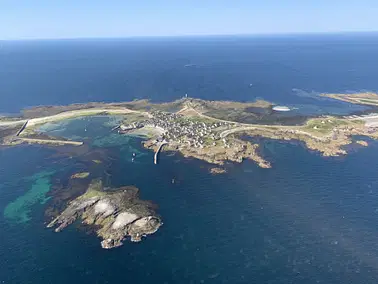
(12,123)
(82,112)
(71,114)
(227,132)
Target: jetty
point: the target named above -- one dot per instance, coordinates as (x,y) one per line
(22,128)
(51,141)
(158,150)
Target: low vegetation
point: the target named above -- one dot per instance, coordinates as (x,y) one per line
(95,189)
(324,125)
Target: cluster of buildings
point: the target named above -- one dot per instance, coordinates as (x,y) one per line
(179,129)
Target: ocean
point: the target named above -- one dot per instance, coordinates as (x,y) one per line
(309,219)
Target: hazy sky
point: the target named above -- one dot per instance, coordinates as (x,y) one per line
(25,19)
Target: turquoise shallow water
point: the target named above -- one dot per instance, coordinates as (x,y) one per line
(19,210)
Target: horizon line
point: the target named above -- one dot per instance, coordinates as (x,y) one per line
(192,36)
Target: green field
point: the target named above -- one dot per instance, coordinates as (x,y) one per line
(324,126)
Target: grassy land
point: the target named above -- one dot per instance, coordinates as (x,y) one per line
(95,189)
(233,115)
(146,105)
(200,119)
(323,125)
(327,124)
(133,117)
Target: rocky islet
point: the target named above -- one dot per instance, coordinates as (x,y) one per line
(116,213)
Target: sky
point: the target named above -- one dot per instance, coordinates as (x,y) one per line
(51,19)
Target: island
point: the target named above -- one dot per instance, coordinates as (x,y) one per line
(81,175)
(217,132)
(217,171)
(214,131)
(116,214)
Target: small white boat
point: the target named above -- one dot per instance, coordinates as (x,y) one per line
(281,108)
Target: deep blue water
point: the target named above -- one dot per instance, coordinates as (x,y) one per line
(286,70)
(309,219)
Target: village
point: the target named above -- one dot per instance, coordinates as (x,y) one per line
(179,129)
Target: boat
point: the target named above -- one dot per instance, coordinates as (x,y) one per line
(281,108)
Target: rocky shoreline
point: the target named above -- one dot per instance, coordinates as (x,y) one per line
(327,144)
(218,154)
(115,213)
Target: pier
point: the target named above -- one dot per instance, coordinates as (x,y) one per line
(158,150)
(22,128)
(51,141)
